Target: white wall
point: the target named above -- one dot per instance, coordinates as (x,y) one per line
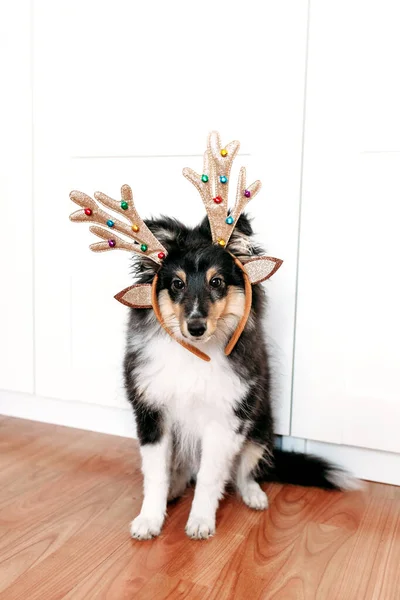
(119,97)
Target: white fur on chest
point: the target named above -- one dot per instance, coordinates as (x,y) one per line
(192,391)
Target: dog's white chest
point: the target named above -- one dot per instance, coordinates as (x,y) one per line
(193,392)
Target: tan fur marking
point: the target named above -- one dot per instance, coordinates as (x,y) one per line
(234,302)
(169,310)
(181,275)
(212,272)
(250,457)
(172,313)
(215,313)
(172,310)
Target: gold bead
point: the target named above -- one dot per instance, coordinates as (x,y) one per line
(135,228)
(221,242)
(224,152)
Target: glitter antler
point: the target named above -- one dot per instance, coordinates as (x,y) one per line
(145,243)
(213,186)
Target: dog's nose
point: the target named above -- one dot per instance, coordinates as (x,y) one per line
(197,327)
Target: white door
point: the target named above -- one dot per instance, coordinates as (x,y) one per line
(16,248)
(347,355)
(126,92)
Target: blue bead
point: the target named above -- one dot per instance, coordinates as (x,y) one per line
(223,179)
(110,223)
(229,220)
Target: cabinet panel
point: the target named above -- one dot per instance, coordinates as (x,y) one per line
(16,312)
(347,357)
(152,77)
(131,107)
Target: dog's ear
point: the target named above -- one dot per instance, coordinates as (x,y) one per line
(240,244)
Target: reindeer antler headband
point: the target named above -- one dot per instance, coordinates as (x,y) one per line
(213,185)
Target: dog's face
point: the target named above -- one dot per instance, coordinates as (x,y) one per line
(201,293)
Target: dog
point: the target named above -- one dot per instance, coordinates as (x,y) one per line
(208,422)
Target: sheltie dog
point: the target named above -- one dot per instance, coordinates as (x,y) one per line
(208,422)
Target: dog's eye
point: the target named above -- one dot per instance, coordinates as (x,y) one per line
(215,282)
(178,284)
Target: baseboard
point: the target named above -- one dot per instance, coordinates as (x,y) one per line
(92,417)
(374,465)
(292,444)
(364,463)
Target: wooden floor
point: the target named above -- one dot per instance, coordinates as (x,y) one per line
(67,497)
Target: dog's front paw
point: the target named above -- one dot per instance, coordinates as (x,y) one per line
(200,528)
(254,497)
(145,528)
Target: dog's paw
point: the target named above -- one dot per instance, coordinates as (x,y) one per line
(200,528)
(255,498)
(145,528)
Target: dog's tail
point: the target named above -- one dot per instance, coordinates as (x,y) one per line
(306,470)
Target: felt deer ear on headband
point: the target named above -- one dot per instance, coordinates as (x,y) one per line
(213,185)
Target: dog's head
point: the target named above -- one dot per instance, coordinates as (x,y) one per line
(196,280)
(200,288)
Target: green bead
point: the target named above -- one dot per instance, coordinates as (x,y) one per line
(124,205)
(204,178)
(143,247)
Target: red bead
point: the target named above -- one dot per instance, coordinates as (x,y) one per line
(217,200)
(161,255)
(88,211)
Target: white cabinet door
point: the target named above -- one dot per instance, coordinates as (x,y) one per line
(347,354)
(16,295)
(126,92)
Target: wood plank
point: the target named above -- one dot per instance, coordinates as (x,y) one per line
(64,532)
(164,588)
(37,563)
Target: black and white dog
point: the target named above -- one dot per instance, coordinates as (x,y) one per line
(205,421)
